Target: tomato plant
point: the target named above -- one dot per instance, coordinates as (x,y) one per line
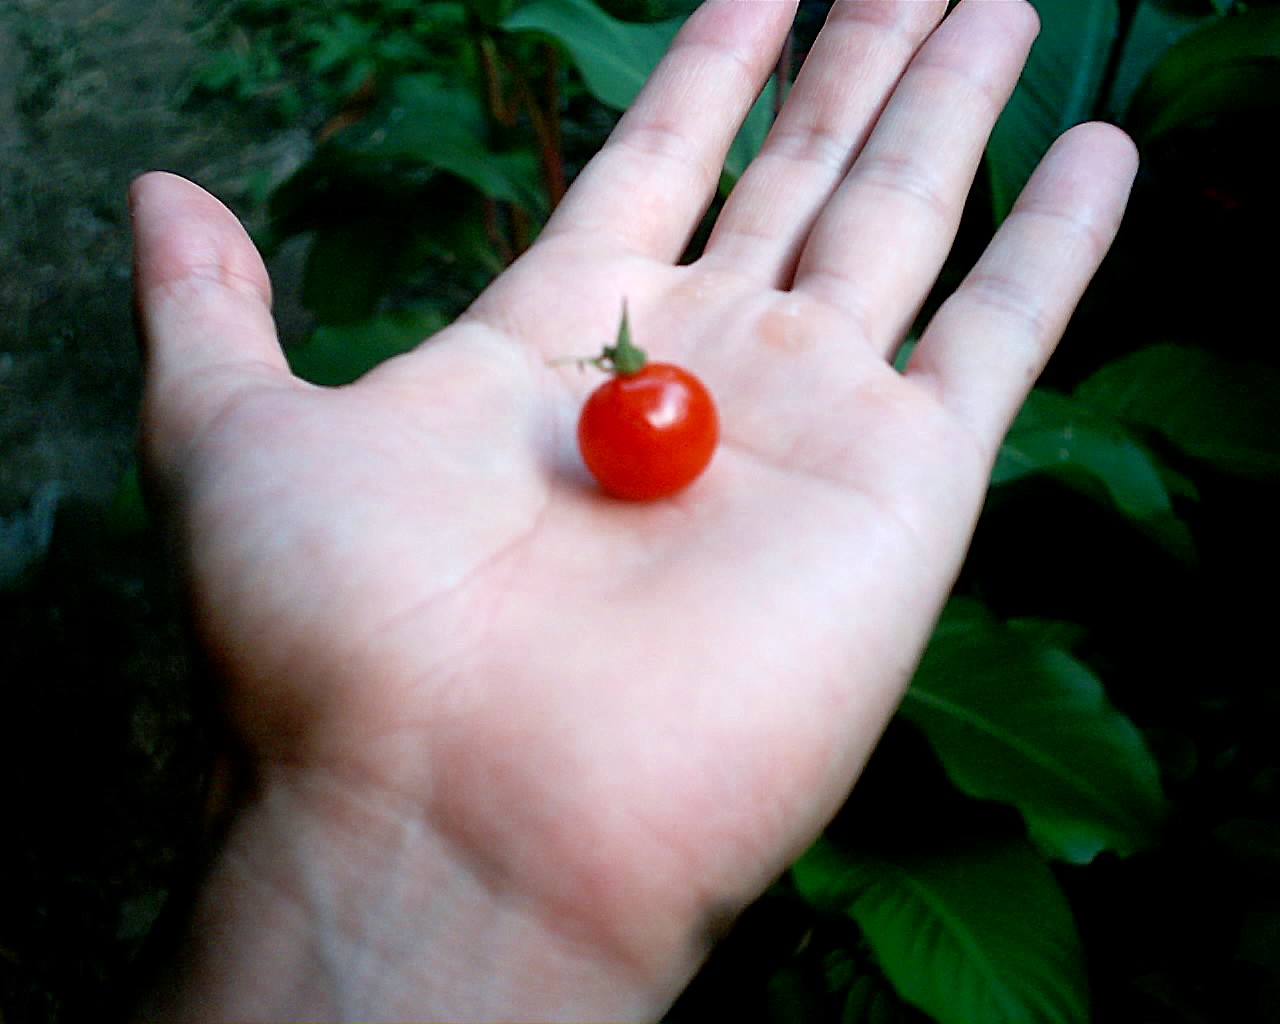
(650,429)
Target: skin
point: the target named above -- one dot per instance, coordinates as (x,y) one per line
(515,750)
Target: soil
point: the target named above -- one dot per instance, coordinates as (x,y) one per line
(101,760)
(92,94)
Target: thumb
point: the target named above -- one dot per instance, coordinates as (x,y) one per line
(204,307)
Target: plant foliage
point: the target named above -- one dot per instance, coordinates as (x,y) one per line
(1015,717)
(978,933)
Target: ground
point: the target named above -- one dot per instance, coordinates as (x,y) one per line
(92,94)
(100,760)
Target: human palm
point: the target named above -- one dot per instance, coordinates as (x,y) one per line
(631,713)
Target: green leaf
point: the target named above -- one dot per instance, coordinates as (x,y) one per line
(336,355)
(871,1001)
(490,12)
(1253,841)
(442,126)
(347,268)
(791,997)
(1017,719)
(26,535)
(1217,409)
(338,42)
(1051,433)
(1230,66)
(751,136)
(1155,27)
(128,513)
(1260,936)
(968,935)
(1059,88)
(614,57)
(1090,451)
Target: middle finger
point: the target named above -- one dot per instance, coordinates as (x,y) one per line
(877,246)
(856,61)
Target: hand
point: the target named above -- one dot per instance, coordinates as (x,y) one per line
(517,747)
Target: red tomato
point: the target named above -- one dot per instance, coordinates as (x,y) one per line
(648,434)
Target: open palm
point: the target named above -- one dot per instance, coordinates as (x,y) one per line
(630,715)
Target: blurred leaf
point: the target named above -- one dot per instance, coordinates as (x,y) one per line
(792,997)
(968,935)
(752,134)
(434,124)
(128,512)
(348,267)
(336,355)
(1016,719)
(1052,632)
(381,230)
(25,536)
(1052,432)
(1229,66)
(870,1000)
(1059,88)
(1220,410)
(338,41)
(1260,937)
(1254,841)
(1155,27)
(490,12)
(226,69)
(1088,450)
(385,193)
(447,226)
(614,57)
(1169,993)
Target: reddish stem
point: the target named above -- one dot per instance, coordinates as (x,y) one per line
(493,230)
(556,178)
(521,229)
(503,112)
(546,131)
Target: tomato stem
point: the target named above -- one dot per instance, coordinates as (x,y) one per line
(624,357)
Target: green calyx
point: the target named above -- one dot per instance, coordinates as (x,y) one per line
(624,357)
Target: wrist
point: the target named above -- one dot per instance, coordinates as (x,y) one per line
(330,902)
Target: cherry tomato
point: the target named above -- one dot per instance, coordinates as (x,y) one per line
(650,429)
(648,434)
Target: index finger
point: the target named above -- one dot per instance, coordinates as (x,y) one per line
(660,168)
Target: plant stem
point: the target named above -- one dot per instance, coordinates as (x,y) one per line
(487,50)
(503,113)
(493,230)
(556,179)
(522,232)
(546,127)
